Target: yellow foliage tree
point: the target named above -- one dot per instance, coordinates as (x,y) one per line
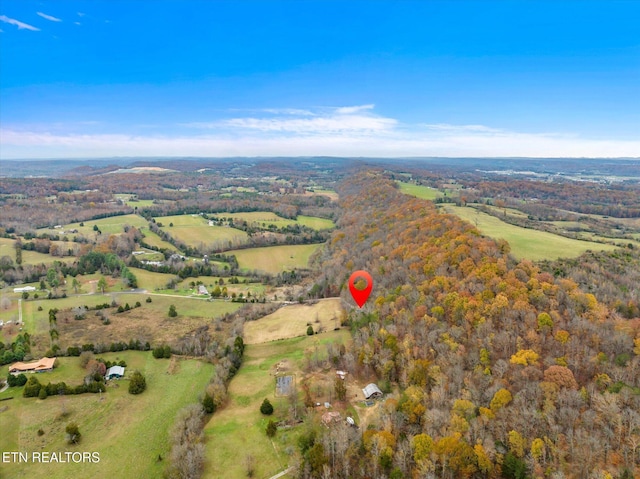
(422,446)
(484,463)
(516,443)
(525,357)
(500,399)
(537,448)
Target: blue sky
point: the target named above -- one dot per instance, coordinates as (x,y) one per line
(300,78)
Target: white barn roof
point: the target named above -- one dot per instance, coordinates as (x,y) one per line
(115,370)
(371,390)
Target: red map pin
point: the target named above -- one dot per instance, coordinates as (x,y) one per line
(360,296)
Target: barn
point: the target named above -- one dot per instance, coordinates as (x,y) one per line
(114,372)
(372,391)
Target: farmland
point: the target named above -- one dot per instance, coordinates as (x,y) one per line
(526,243)
(419,191)
(292,321)
(193,230)
(110,225)
(267,218)
(237,431)
(275,259)
(129,432)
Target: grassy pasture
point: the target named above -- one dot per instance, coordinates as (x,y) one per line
(526,243)
(150,322)
(238,430)
(129,432)
(130,200)
(153,239)
(331,194)
(110,225)
(195,231)
(419,191)
(7,248)
(267,218)
(315,223)
(151,280)
(274,259)
(147,323)
(292,320)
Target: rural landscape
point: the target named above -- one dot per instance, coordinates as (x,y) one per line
(320,239)
(201,325)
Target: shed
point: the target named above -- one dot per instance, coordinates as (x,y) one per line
(372,391)
(114,372)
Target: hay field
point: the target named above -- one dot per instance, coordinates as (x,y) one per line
(292,321)
(195,231)
(526,243)
(275,259)
(419,191)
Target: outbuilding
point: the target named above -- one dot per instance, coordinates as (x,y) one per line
(114,372)
(372,391)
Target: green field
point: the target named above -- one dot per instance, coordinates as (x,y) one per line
(110,225)
(195,231)
(275,259)
(129,432)
(238,430)
(267,218)
(419,191)
(131,200)
(526,243)
(150,280)
(153,239)
(33,257)
(315,223)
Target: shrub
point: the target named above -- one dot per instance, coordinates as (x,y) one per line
(272,428)
(19,380)
(266,408)
(73,433)
(310,330)
(137,384)
(208,404)
(172,311)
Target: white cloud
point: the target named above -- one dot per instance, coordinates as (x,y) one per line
(345,131)
(18,23)
(48,17)
(347,110)
(342,120)
(27,144)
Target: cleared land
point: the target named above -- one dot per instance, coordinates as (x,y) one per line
(7,248)
(110,225)
(153,239)
(150,322)
(129,432)
(267,218)
(151,280)
(292,321)
(275,259)
(419,191)
(238,430)
(315,223)
(195,231)
(526,243)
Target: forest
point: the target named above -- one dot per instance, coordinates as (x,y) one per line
(496,368)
